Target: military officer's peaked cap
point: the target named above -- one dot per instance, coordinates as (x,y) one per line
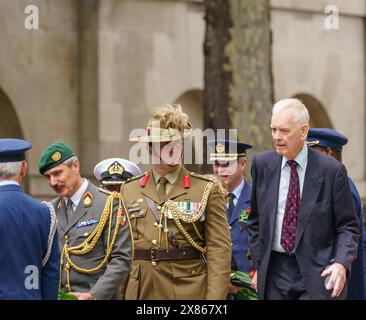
(168,123)
(227,150)
(327,138)
(115,171)
(13,150)
(54,155)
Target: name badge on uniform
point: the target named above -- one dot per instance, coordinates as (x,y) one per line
(87,222)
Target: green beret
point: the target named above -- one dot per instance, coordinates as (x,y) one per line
(54,155)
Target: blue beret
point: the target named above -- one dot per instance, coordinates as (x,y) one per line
(328,138)
(13,150)
(227,150)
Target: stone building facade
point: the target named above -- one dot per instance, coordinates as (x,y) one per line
(94,70)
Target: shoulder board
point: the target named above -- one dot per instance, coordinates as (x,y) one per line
(135,178)
(105,191)
(200,176)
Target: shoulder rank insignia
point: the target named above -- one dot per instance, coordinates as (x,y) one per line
(87,222)
(88,199)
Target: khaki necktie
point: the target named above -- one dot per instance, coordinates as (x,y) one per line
(162,188)
(69,211)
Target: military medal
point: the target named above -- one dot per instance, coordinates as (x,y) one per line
(88,199)
(87,222)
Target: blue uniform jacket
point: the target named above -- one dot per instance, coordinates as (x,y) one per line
(24,229)
(356,281)
(239,235)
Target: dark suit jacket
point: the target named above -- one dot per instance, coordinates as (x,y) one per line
(327,227)
(24,230)
(239,235)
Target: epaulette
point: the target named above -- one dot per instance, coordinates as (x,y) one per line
(203,177)
(105,191)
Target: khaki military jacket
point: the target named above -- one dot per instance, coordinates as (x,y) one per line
(105,284)
(179,279)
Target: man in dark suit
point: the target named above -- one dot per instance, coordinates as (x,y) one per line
(228,158)
(331,142)
(303,229)
(93,229)
(30,258)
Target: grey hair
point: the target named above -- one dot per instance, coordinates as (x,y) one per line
(300,112)
(68,162)
(9,169)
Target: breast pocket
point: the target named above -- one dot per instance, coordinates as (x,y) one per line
(136,220)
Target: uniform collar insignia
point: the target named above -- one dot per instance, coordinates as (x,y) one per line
(88,199)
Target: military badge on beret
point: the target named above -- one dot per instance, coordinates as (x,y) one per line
(56,156)
(88,199)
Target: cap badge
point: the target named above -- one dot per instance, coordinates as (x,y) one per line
(115,168)
(220,148)
(56,156)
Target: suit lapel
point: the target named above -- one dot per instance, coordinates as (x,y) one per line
(176,189)
(244,196)
(81,210)
(150,189)
(272,176)
(61,213)
(312,185)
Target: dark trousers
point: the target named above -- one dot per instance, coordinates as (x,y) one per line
(284,279)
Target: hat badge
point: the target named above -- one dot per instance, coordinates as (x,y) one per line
(220,148)
(115,168)
(56,156)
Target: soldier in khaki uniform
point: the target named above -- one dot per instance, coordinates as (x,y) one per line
(181,237)
(94,234)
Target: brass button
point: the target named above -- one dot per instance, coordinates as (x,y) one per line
(66,237)
(155,224)
(230,228)
(159,207)
(142,212)
(85,234)
(153,263)
(231,244)
(193,272)
(132,215)
(154,242)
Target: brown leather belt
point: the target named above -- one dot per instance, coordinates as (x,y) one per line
(155,254)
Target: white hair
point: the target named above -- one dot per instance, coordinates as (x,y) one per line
(299,111)
(9,169)
(68,162)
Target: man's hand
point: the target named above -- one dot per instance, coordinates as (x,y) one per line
(337,278)
(253,282)
(82,296)
(233,289)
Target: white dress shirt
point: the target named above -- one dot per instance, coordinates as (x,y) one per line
(76,197)
(9,182)
(302,161)
(236,192)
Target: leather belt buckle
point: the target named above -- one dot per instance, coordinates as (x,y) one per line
(154,254)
